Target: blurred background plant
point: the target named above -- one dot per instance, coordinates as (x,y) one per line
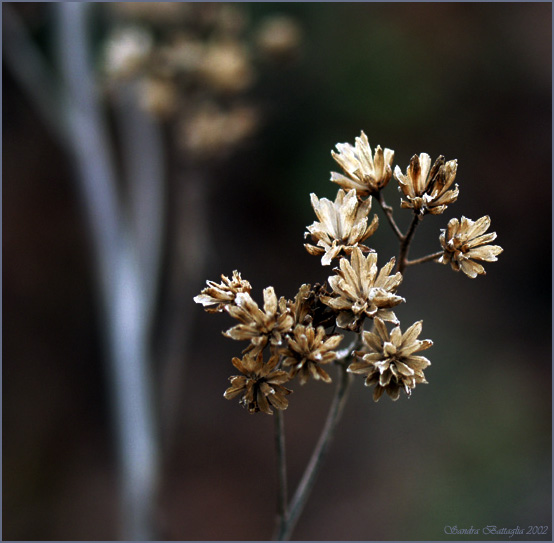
(202,129)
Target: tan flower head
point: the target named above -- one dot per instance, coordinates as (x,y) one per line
(222,294)
(307,350)
(365,172)
(342,225)
(359,291)
(259,327)
(426,187)
(391,364)
(465,241)
(260,385)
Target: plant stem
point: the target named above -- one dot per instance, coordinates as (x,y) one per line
(308,479)
(405,243)
(281,472)
(423,259)
(388,213)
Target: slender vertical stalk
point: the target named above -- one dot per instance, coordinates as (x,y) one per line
(119,274)
(282,494)
(308,479)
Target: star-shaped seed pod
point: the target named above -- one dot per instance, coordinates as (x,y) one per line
(342,225)
(366,172)
(257,326)
(215,296)
(360,290)
(307,350)
(465,241)
(261,384)
(426,188)
(389,361)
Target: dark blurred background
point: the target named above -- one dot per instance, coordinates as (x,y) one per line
(470,81)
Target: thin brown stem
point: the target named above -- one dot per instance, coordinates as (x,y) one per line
(388,213)
(405,243)
(423,259)
(308,479)
(282,492)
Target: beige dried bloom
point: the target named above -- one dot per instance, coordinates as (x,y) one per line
(211,132)
(257,326)
(360,291)
(465,241)
(261,385)
(426,188)
(365,172)
(389,361)
(279,37)
(307,350)
(342,225)
(215,296)
(158,97)
(226,67)
(126,51)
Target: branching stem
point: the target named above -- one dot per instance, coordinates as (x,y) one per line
(388,213)
(405,243)
(308,479)
(427,258)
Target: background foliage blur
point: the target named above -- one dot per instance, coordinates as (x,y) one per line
(470,81)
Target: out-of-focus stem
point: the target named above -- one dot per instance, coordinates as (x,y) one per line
(121,284)
(143,157)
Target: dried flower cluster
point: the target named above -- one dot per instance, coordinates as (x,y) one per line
(298,336)
(193,63)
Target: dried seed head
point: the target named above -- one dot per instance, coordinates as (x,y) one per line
(365,172)
(426,187)
(360,290)
(307,350)
(257,326)
(342,225)
(465,241)
(261,384)
(215,297)
(389,361)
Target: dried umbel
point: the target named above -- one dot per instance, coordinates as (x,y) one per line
(389,361)
(307,350)
(426,187)
(465,241)
(342,225)
(365,172)
(361,290)
(299,335)
(261,384)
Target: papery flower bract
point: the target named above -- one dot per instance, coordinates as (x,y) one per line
(259,327)
(359,291)
(465,241)
(389,362)
(365,172)
(342,227)
(426,187)
(307,349)
(220,295)
(260,385)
